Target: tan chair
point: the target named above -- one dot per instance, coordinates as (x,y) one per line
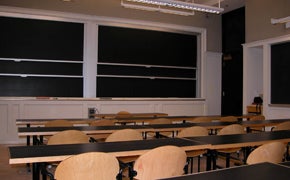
(102,122)
(271,152)
(126,135)
(69,137)
(88,166)
(282,126)
(64,137)
(161,162)
(201,120)
(229,130)
(160,121)
(56,123)
(192,132)
(257,129)
(123,114)
(229,119)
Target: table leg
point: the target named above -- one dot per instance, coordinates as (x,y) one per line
(28,144)
(35,171)
(211,160)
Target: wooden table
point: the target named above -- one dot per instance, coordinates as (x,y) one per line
(39,122)
(262,171)
(239,140)
(52,153)
(113,115)
(135,119)
(47,131)
(38,132)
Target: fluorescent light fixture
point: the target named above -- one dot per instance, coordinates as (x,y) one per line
(157,9)
(285,20)
(171,6)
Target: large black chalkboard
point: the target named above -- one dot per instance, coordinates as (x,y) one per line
(280,73)
(29,42)
(41,39)
(139,46)
(169,51)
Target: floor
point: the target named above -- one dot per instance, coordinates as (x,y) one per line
(19,172)
(15,172)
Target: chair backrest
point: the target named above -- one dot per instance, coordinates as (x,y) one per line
(103,122)
(123,114)
(68,137)
(88,166)
(193,131)
(232,129)
(161,121)
(282,126)
(124,135)
(201,119)
(258,117)
(58,123)
(229,119)
(270,152)
(161,162)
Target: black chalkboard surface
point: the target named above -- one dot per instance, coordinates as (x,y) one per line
(166,63)
(280,73)
(41,39)
(41,57)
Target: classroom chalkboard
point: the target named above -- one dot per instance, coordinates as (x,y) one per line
(41,39)
(158,63)
(41,57)
(280,73)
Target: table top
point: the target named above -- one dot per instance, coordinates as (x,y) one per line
(113,115)
(243,140)
(30,131)
(133,119)
(260,123)
(42,131)
(50,153)
(262,171)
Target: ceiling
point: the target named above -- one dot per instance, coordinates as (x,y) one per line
(228,5)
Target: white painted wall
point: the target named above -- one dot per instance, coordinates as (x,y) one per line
(213,74)
(12,109)
(257,76)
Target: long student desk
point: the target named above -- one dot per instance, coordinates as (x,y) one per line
(46,131)
(38,132)
(262,171)
(36,154)
(113,115)
(52,153)
(239,140)
(39,122)
(138,119)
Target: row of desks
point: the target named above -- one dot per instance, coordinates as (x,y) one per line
(134,119)
(42,131)
(51,153)
(262,171)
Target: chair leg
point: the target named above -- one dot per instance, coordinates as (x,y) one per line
(191,165)
(228,160)
(198,163)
